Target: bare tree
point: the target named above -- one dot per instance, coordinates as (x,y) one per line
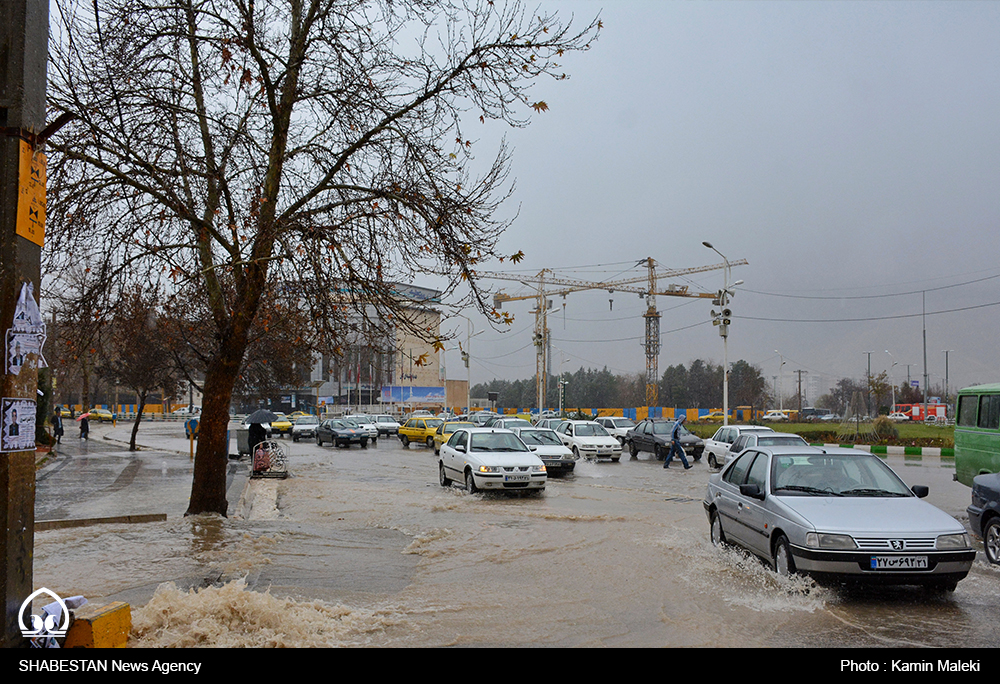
(135,353)
(314,145)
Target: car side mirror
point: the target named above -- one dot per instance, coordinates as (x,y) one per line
(920,490)
(532,448)
(752,490)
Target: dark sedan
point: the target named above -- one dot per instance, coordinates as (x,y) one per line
(984,513)
(341,433)
(653,435)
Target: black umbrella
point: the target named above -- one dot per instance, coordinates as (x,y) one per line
(261,416)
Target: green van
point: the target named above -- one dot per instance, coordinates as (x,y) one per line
(977,432)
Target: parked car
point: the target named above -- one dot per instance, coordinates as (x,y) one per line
(386,424)
(305,427)
(282,426)
(836,514)
(717,446)
(507,422)
(898,417)
(775,415)
(481,418)
(339,432)
(589,440)
(757,438)
(616,426)
(550,423)
(546,445)
(984,513)
(653,435)
(443,433)
(490,459)
(714,417)
(103,415)
(366,422)
(419,430)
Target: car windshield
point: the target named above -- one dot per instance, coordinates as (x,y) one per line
(590,430)
(434,423)
(451,427)
(623,423)
(340,424)
(665,428)
(386,419)
(307,420)
(543,437)
(496,441)
(834,475)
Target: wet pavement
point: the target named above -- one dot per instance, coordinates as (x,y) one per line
(365,547)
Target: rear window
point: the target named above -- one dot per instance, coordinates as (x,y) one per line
(989,411)
(967,410)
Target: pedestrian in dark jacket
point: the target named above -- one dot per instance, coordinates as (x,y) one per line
(57,427)
(85,428)
(675,443)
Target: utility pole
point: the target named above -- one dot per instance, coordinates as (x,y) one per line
(869,393)
(800,372)
(24,27)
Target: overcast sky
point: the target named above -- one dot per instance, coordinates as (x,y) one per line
(848,151)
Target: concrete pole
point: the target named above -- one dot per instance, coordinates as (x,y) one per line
(24,26)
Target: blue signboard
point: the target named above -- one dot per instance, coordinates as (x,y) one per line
(399,395)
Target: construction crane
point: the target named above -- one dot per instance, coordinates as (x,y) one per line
(564,286)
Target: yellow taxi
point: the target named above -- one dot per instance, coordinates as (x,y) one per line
(103,415)
(715,417)
(443,433)
(282,426)
(420,429)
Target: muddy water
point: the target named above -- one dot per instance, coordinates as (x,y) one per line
(364,547)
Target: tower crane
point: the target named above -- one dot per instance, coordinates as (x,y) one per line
(564,286)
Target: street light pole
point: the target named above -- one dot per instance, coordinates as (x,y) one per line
(892,382)
(722,320)
(946,352)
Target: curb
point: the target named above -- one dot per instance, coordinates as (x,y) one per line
(940,452)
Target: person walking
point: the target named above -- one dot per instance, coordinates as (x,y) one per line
(85,427)
(675,443)
(57,427)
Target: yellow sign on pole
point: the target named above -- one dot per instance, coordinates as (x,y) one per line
(31,195)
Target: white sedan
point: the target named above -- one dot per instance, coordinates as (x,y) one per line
(898,417)
(490,459)
(587,439)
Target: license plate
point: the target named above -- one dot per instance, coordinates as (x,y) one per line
(516,478)
(899,563)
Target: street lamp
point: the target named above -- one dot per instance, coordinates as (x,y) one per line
(781,399)
(946,352)
(722,320)
(892,382)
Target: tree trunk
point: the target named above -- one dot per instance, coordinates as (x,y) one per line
(141,396)
(208,490)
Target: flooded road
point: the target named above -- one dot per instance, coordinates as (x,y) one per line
(364,547)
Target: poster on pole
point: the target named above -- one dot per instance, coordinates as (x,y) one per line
(17,425)
(31,195)
(26,337)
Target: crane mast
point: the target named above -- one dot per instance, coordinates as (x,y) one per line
(564,286)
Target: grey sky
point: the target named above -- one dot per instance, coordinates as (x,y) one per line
(844,149)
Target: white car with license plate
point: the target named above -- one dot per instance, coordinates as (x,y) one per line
(490,459)
(838,515)
(587,439)
(616,426)
(545,443)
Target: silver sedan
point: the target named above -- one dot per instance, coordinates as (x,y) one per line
(835,514)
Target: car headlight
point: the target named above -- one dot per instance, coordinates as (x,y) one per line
(818,540)
(490,469)
(953,541)
(538,468)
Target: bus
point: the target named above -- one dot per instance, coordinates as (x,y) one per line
(977,432)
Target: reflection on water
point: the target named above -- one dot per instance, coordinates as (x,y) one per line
(366,548)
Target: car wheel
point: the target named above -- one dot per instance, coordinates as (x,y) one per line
(991,540)
(319,441)
(658,453)
(783,563)
(405,441)
(295,438)
(470,482)
(364,444)
(430,442)
(712,461)
(442,478)
(718,536)
(576,453)
(633,450)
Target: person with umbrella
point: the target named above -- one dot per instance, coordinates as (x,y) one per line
(84,419)
(256,434)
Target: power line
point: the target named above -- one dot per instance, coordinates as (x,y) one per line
(873,318)
(881,296)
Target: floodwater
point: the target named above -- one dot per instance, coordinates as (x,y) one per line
(364,547)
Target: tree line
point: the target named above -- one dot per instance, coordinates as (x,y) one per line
(698,385)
